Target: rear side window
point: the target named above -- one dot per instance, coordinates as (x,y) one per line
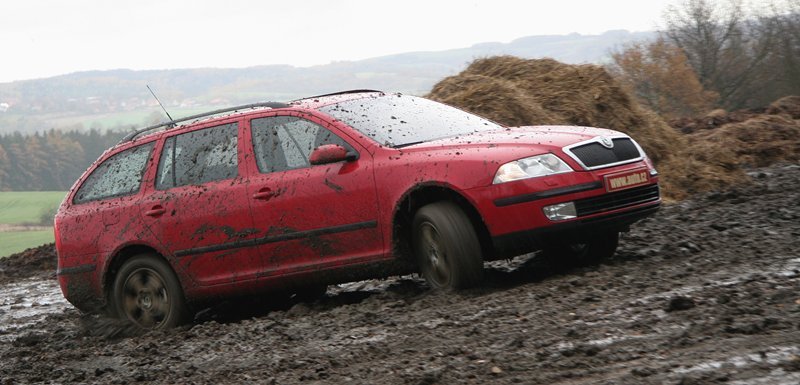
(199,157)
(119,175)
(285,142)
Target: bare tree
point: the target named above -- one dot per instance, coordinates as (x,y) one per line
(787,57)
(726,47)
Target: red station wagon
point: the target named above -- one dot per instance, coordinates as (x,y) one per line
(289,198)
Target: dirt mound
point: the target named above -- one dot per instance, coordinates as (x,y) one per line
(789,105)
(515,91)
(31,262)
(746,138)
(713,119)
(756,142)
(493,98)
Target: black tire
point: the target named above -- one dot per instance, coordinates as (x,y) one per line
(446,246)
(584,253)
(147,293)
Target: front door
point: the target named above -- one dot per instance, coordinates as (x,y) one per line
(314,216)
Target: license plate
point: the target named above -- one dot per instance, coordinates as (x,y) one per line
(626,179)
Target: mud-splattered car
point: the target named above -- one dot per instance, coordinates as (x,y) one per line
(287,198)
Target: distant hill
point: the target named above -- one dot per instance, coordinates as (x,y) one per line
(107,99)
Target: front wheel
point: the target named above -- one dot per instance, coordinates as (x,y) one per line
(590,251)
(446,246)
(147,293)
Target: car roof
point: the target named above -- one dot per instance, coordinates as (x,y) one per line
(313,102)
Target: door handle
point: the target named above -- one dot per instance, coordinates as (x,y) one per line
(264,194)
(155,211)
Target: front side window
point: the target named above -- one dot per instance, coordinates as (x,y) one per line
(285,142)
(119,175)
(199,157)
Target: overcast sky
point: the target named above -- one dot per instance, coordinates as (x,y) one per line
(42,38)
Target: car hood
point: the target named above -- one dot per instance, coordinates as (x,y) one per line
(545,137)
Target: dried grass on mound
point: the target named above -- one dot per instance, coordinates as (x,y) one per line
(492,97)
(760,141)
(517,92)
(789,105)
(713,119)
(584,95)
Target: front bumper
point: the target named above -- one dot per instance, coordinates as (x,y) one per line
(526,241)
(513,212)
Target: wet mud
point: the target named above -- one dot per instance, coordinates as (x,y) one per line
(707,291)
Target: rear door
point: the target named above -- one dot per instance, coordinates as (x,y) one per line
(103,215)
(312,216)
(198,207)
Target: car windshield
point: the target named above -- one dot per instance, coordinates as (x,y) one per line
(401,120)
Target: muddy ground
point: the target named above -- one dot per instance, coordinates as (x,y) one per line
(707,291)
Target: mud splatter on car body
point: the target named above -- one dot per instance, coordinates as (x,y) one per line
(274,196)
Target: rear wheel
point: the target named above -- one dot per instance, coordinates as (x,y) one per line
(584,253)
(147,293)
(446,246)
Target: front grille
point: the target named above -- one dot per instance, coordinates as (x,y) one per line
(616,200)
(594,154)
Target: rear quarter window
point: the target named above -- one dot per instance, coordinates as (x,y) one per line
(119,175)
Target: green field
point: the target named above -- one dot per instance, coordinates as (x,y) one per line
(27,207)
(15,241)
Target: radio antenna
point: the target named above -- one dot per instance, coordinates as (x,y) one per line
(172,121)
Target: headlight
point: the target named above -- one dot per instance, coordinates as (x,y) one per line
(539,165)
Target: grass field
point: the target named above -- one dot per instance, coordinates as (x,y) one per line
(27,207)
(15,241)
(104,121)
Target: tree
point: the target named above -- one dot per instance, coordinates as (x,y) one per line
(661,78)
(19,175)
(787,58)
(36,156)
(65,160)
(5,166)
(727,49)
(52,161)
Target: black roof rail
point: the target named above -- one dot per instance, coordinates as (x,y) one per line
(172,123)
(338,93)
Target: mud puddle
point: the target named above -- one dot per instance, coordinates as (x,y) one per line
(25,303)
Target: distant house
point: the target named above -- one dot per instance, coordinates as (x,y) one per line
(4,107)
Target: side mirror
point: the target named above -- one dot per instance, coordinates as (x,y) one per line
(329,153)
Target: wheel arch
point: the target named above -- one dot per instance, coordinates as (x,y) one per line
(429,192)
(123,255)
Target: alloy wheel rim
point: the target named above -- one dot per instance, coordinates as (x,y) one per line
(144,298)
(434,255)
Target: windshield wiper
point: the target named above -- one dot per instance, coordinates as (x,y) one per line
(407,144)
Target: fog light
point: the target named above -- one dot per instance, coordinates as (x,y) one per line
(560,211)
